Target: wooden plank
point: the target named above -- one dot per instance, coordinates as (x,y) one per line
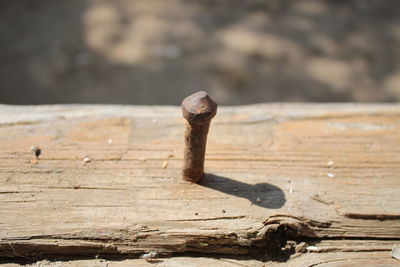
(278,175)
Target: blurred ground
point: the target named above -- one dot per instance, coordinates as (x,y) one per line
(159,51)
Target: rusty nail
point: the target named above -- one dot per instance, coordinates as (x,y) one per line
(198,109)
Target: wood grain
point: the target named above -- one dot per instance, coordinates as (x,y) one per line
(279,175)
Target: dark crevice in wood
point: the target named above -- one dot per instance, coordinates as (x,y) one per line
(372,216)
(277,242)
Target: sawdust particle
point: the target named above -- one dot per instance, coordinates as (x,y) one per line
(164,164)
(86,160)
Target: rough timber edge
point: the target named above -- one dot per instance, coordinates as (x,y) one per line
(13,114)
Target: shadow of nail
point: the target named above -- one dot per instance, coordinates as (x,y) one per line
(264,195)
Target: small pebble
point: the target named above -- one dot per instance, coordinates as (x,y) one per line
(109,141)
(223,211)
(258,200)
(331,175)
(291,190)
(395,253)
(86,160)
(150,255)
(330,163)
(312,248)
(34,161)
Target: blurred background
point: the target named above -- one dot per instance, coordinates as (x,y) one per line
(160,51)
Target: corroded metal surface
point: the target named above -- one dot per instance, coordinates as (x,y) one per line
(198,109)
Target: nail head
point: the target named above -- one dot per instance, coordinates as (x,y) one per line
(199,107)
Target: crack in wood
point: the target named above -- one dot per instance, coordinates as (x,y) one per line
(372,216)
(266,243)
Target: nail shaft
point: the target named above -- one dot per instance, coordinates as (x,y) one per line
(198,109)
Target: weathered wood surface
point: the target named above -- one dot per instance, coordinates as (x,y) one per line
(335,259)
(315,182)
